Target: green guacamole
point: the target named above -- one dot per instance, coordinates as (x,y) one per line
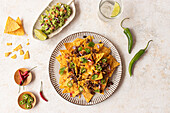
(55,18)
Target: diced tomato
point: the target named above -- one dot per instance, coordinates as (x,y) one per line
(46,21)
(107,89)
(56,15)
(91,63)
(50,19)
(65,20)
(66,56)
(49,16)
(71,72)
(65,11)
(70,94)
(52,28)
(61,9)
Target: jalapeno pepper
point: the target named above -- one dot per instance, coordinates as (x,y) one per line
(136,57)
(69,84)
(94,76)
(28,106)
(129,36)
(22,102)
(30,100)
(83,70)
(104,60)
(81,89)
(25,96)
(72,65)
(98,68)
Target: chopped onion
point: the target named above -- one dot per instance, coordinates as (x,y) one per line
(45,19)
(89,60)
(47,29)
(98,46)
(109,67)
(74,47)
(56,18)
(42,24)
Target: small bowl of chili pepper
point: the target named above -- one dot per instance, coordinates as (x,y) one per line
(26,100)
(21,77)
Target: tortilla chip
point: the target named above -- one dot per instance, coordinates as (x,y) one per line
(87,95)
(21,52)
(20,31)
(97,47)
(18,48)
(112,61)
(11,25)
(27,56)
(98,57)
(14,56)
(105,50)
(8,44)
(7,54)
(100,76)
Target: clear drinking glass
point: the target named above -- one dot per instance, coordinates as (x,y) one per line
(110,9)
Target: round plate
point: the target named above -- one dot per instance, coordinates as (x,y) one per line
(17,77)
(20,98)
(54,67)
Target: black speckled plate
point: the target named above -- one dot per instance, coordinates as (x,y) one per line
(54,67)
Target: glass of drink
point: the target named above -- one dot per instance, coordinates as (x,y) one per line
(109,9)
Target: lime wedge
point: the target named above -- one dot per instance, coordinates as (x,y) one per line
(116,10)
(40,35)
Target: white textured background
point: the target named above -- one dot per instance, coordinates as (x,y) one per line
(148,91)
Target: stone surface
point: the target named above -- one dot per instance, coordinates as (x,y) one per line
(148,91)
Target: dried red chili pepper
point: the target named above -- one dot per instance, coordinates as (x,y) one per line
(41,93)
(26,72)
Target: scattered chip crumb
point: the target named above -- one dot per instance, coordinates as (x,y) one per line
(21,52)
(18,48)
(28,43)
(27,39)
(7,54)
(14,56)
(26,56)
(8,44)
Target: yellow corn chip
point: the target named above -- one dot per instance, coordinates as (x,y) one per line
(7,54)
(11,25)
(14,56)
(26,56)
(18,48)
(28,43)
(105,50)
(8,44)
(21,52)
(20,31)
(87,95)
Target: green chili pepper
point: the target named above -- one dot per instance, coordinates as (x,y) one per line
(129,36)
(83,70)
(136,57)
(81,89)
(98,68)
(80,48)
(69,84)
(72,65)
(104,60)
(94,76)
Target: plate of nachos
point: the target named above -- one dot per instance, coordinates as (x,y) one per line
(85,68)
